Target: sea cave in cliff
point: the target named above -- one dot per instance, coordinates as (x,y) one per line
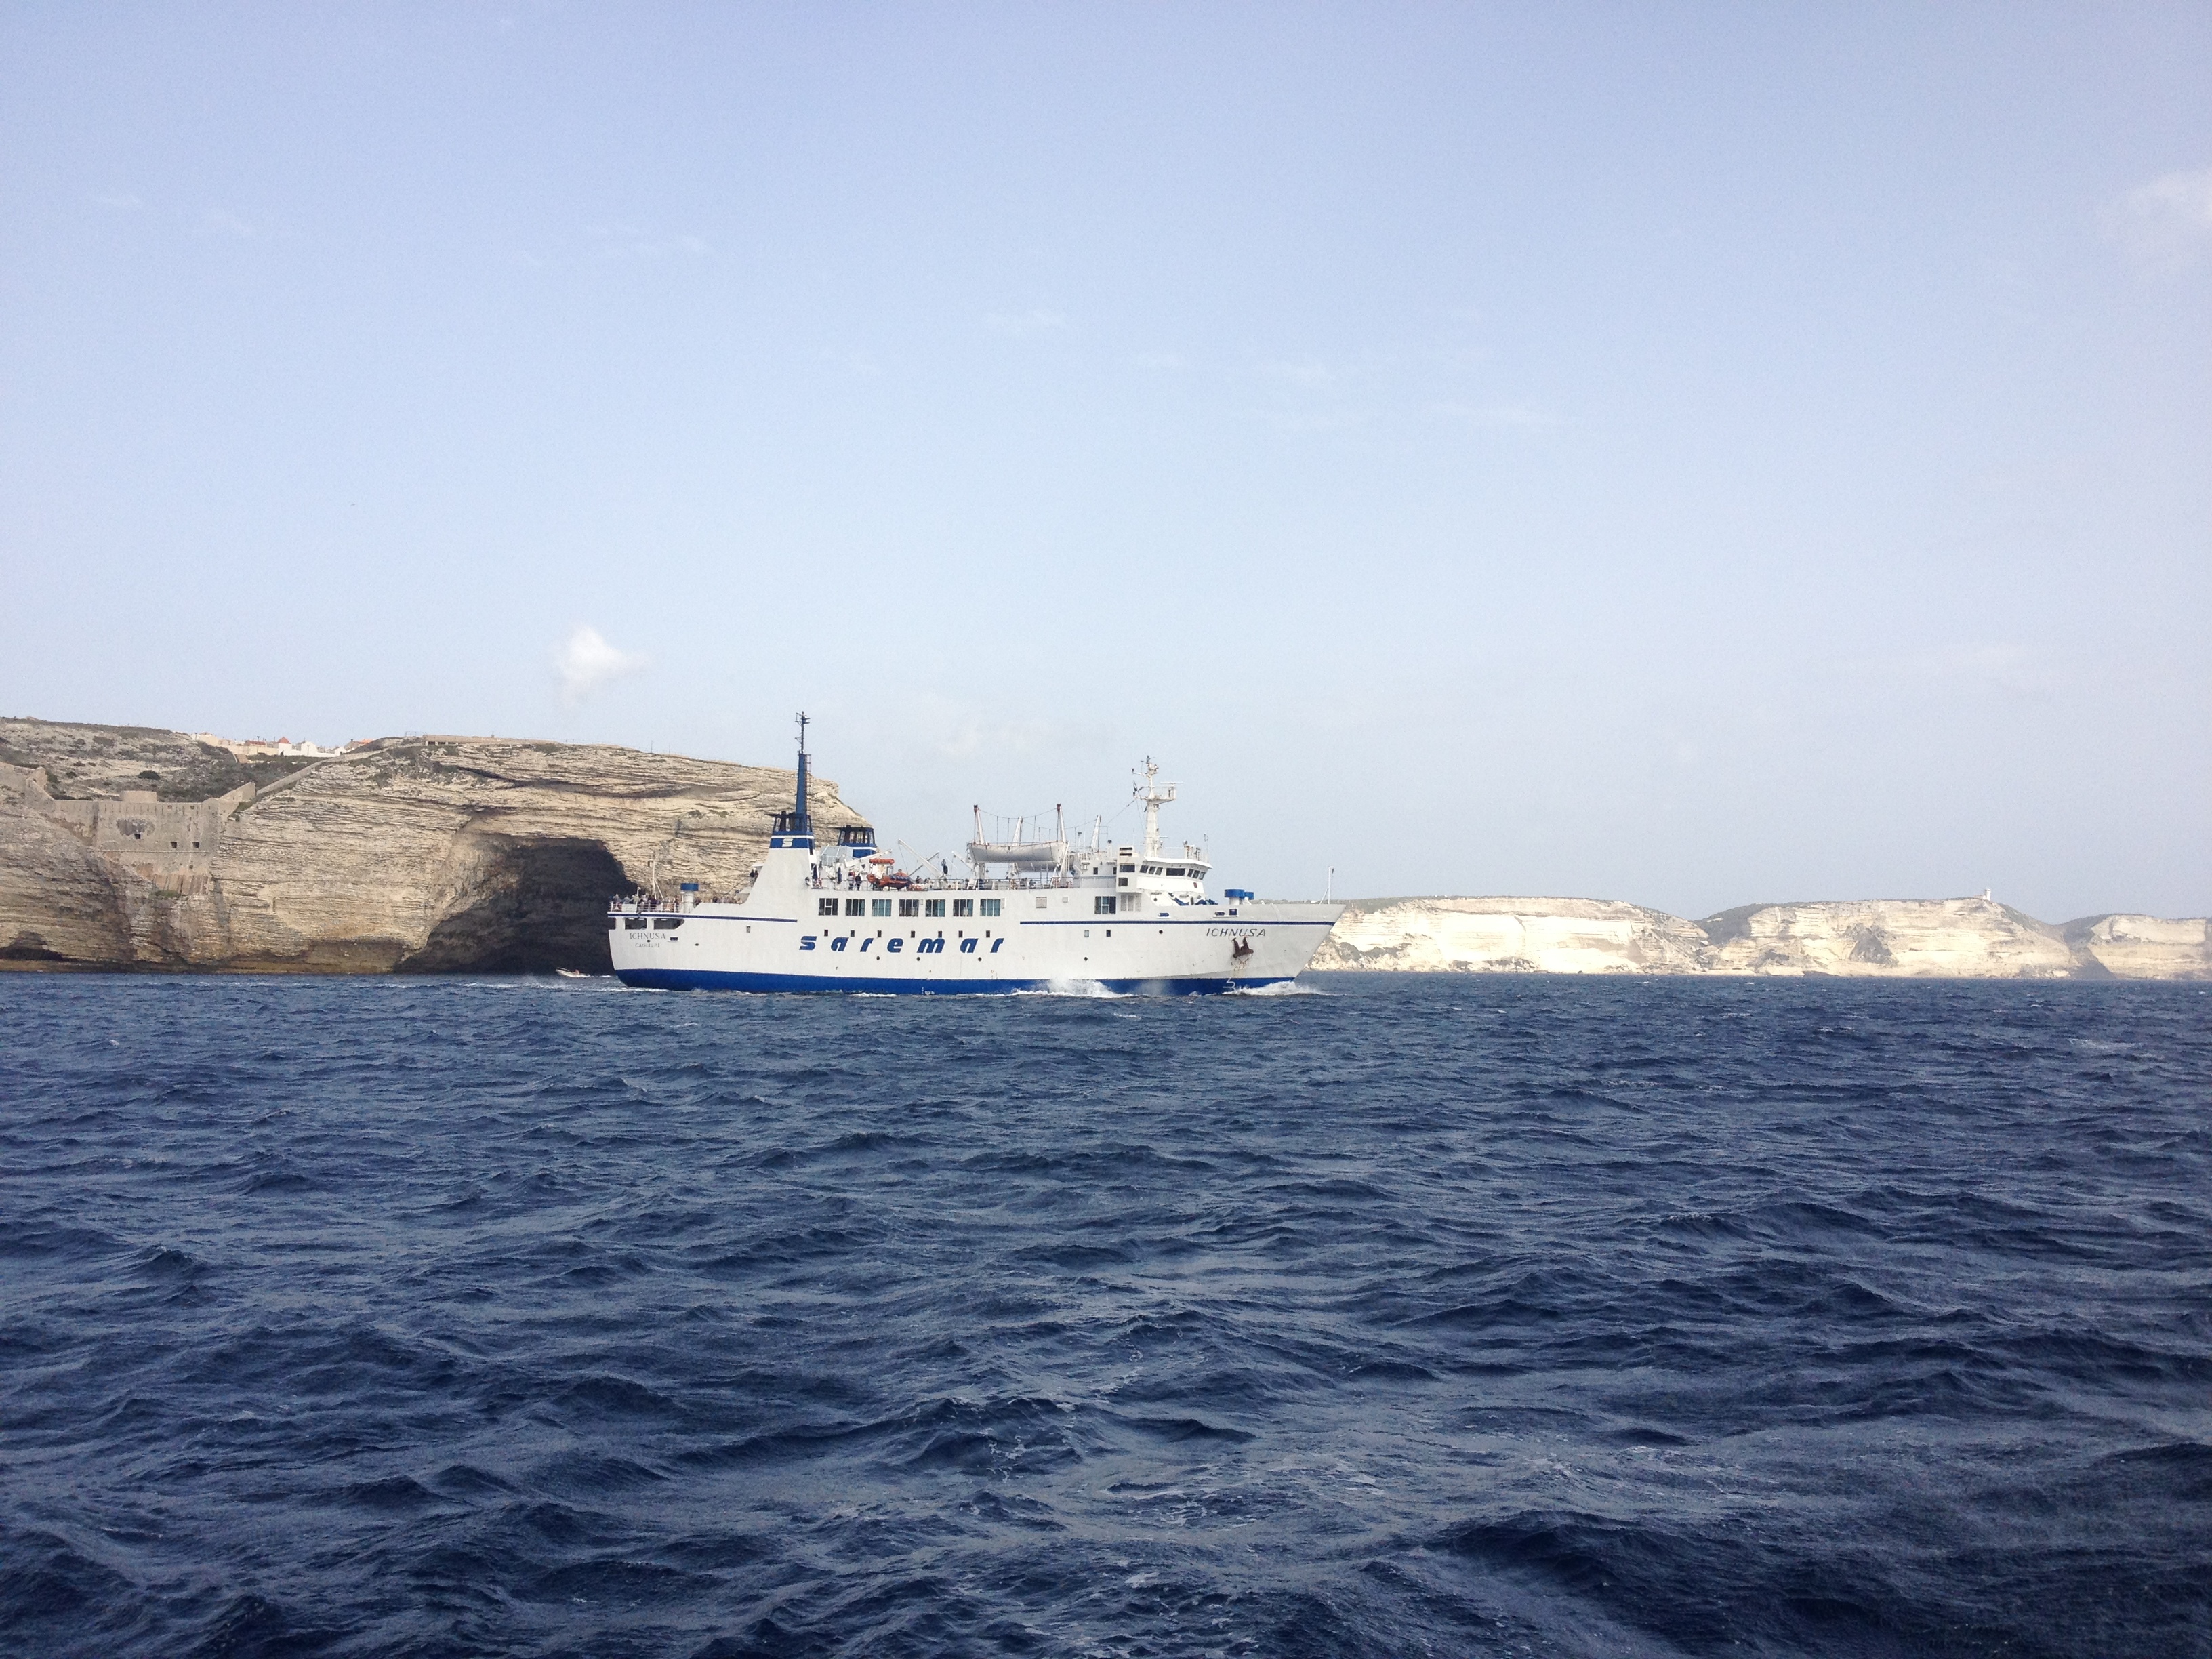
(542,905)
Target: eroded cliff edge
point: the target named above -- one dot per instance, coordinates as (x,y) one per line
(132,848)
(1960,937)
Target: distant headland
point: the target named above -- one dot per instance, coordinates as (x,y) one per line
(1906,938)
(130,847)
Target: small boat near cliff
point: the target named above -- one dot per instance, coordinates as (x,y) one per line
(1040,914)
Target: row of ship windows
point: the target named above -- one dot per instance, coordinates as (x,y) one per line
(1104,904)
(1158,870)
(881,906)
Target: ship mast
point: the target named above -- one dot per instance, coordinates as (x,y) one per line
(800,823)
(1154,798)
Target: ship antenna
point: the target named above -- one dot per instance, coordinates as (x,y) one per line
(1153,797)
(800,822)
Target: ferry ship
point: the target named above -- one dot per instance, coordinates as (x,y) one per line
(1041,915)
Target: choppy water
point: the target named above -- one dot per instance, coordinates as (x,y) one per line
(1452,1316)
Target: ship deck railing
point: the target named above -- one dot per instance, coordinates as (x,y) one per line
(643,904)
(953,884)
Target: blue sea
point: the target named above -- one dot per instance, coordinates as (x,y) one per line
(1401,1315)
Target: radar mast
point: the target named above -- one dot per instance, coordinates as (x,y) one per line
(802,822)
(1150,793)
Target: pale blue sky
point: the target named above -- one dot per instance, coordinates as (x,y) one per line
(1687,454)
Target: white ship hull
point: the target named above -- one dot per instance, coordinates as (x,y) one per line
(835,918)
(767,947)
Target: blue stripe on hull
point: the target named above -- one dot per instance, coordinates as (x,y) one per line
(695,979)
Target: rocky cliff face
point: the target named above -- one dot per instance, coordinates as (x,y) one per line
(1975,939)
(413,855)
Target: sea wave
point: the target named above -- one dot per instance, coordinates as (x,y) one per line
(1560,1316)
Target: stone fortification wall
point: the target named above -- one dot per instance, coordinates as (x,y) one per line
(170,844)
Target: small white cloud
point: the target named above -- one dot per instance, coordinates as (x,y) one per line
(587,662)
(2167,223)
(629,242)
(1316,420)
(960,731)
(1160,360)
(216,222)
(1967,659)
(122,201)
(1308,372)
(1513,416)
(1025,324)
(1997,667)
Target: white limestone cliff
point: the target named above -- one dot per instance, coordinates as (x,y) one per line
(1921,938)
(1962,937)
(1532,935)
(2145,947)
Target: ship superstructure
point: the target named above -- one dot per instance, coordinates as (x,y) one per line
(1032,913)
